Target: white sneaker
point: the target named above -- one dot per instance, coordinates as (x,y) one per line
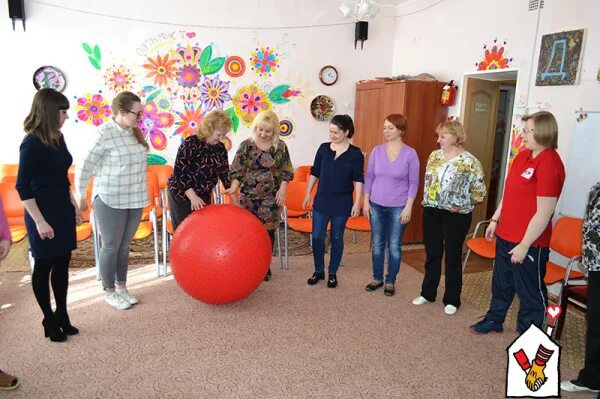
(117,301)
(420,301)
(572,386)
(124,293)
(450,309)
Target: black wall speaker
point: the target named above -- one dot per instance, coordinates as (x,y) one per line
(16,10)
(361,32)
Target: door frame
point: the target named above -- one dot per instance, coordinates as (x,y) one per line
(517,109)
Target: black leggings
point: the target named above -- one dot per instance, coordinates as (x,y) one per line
(55,270)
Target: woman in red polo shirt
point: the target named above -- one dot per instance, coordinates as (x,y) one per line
(522,224)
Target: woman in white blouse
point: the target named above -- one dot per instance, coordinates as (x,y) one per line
(117,161)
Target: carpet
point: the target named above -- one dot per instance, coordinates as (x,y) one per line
(287,340)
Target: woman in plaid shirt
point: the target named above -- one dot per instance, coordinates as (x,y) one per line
(117,161)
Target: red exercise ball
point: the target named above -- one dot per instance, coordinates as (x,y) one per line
(220,254)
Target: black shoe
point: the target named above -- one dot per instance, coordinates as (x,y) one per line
(332,281)
(62,318)
(52,330)
(268,275)
(373,286)
(389,290)
(314,279)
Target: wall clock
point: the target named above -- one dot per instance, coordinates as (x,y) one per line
(328,75)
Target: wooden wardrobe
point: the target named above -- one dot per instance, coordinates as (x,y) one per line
(419,102)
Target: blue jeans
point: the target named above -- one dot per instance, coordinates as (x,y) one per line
(338,225)
(387,232)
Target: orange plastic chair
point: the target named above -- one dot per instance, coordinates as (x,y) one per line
(163,173)
(358,223)
(13,210)
(301,173)
(9,179)
(567,238)
(9,169)
(480,245)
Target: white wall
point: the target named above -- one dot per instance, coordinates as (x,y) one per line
(446,40)
(311,34)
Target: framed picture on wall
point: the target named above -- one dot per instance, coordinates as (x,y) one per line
(560,54)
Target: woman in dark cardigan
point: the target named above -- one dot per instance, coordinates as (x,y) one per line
(51,210)
(338,166)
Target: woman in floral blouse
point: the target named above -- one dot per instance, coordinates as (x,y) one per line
(261,170)
(200,163)
(453,185)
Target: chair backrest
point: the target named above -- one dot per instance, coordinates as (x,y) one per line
(294,195)
(9,169)
(162,172)
(13,207)
(9,179)
(567,236)
(301,173)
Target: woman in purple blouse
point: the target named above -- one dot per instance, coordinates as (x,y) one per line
(391,185)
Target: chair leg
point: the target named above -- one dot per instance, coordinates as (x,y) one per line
(156,254)
(97,242)
(278,238)
(164,242)
(465,261)
(286,243)
(31,261)
(563,301)
(353,237)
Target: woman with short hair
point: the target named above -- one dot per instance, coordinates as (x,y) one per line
(200,163)
(522,226)
(261,170)
(453,185)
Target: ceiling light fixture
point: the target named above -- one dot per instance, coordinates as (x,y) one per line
(361,9)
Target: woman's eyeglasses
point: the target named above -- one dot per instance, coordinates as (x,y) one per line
(138,115)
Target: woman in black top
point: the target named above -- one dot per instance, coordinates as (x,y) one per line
(339,167)
(201,161)
(51,211)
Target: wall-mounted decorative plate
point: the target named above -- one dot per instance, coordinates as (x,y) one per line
(49,77)
(322,108)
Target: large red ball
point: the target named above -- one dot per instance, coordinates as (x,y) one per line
(220,254)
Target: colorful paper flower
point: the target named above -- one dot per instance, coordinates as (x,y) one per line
(162,69)
(189,55)
(516,143)
(249,101)
(119,78)
(188,76)
(152,123)
(264,61)
(494,58)
(213,93)
(92,109)
(189,121)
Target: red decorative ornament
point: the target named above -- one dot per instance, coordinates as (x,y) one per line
(235,66)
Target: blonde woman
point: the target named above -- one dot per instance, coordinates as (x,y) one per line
(453,185)
(117,161)
(261,170)
(200,163)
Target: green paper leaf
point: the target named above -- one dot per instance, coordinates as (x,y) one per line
(97,55)
(94,63)
(205,58)
(214,66)
(276,95)
(154,159)
(153,95)
(234,119)
(86,48)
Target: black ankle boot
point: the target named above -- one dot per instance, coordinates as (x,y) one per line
(62,319)
(52,330)
(332,281)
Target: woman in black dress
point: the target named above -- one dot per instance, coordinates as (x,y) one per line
(51,212)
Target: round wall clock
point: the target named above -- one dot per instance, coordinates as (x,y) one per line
(328,75)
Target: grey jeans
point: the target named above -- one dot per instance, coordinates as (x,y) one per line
(117,228)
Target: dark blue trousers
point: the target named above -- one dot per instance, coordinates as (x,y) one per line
(526,279)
